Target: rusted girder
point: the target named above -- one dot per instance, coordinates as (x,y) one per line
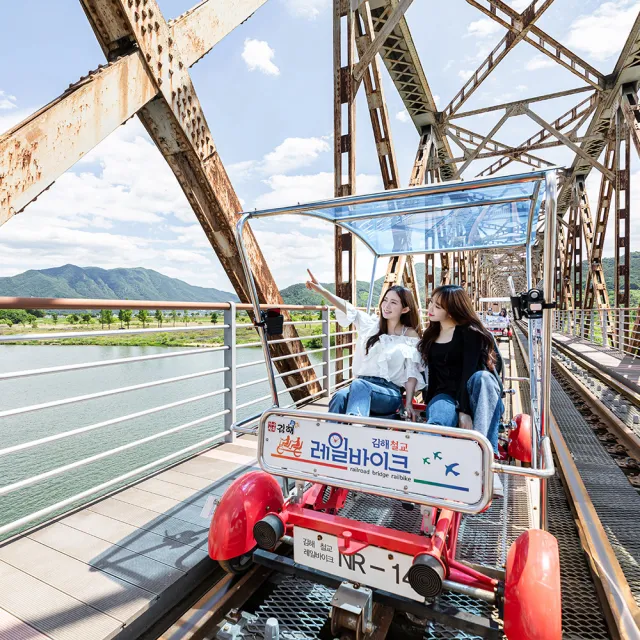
(510,19)
(176,123)
(577,115)
(41,148)
(514,35)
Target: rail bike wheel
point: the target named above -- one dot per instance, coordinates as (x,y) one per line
(532,600)
(239,565)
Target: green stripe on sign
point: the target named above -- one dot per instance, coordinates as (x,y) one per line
(440,484)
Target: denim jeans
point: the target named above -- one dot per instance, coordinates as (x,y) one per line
(367,396)
(486,407)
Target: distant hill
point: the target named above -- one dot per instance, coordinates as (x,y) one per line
(70,281)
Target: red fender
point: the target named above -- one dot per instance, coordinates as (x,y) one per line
(520,439)
(532,605)
(248,499)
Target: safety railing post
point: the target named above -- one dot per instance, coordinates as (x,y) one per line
(591,325)
(230,361)
(326,351)
(621,329)
(605,328)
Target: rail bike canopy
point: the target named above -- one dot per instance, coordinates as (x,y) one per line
(490,213)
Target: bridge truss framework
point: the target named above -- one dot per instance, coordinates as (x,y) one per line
(147,74)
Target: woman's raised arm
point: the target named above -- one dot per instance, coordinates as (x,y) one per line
(314,285)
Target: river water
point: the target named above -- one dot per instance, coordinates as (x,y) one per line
(14,430)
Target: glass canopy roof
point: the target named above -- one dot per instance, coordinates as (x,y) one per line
(479,214)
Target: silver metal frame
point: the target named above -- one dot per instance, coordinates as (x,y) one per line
(542,461)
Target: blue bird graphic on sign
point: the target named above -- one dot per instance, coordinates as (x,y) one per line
(450,469)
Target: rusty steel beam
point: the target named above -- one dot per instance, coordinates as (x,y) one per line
(596,287)
(40,149)
(515,22)
(176,123)
(509,41)
(481,145)
(517,103)
(344,144)
(401,59)
(567,142)
(626,71)
(462,135)
(576,115)
(375,44)
(631,111)
(622,232)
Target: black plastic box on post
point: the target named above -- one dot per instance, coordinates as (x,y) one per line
(273,321)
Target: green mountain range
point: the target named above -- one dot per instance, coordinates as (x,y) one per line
(70,281)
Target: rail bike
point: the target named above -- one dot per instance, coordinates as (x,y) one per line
(332,525)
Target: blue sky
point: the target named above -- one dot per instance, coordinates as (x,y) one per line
(266,90)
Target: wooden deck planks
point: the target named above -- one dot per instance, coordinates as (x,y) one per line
(93,572)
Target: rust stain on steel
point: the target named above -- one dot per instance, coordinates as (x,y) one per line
(37,151)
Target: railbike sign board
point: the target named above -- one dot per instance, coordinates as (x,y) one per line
(405,464)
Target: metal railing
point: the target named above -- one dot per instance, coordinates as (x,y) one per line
(614,328)
(60,449)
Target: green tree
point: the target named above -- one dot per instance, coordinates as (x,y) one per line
(174,315)
(54,317)
(215,317)
(125,316)
(159,317)
(106,317)
(73,318)
(86,318)
(143,316)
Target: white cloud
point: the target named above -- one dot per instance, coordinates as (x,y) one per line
(602,33)
(11,117)
(540,61)
(289,190)
(258,55)
(289,155)
(465,74)
(308,9)
(294,153)
(436,99)
(483,28)
(519,5)
(7,101)
(403,116)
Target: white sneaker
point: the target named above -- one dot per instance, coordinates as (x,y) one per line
(498,489)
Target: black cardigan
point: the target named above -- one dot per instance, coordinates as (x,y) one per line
(473,360)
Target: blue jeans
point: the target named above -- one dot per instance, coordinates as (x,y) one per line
(367,396)
(486,407)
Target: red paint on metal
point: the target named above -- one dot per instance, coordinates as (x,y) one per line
(532,601)
(520,439)
(249,499)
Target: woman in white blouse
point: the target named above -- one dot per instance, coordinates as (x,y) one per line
(386,358)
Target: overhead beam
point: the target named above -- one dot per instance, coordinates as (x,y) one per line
(376,43)
(564,139)
(524,101)
(483,143)
(41,148)
(576,115)
(510,19)
(500,51)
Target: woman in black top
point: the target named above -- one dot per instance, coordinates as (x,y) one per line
(463,363)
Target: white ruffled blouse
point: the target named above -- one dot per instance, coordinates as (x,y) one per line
(394,358)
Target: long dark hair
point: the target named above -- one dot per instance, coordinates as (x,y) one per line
(410,318)
(457,304)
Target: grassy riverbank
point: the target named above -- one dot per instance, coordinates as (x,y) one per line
(193,337)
